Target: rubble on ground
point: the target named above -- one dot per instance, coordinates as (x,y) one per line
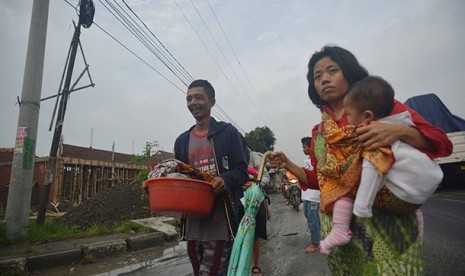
(110,207)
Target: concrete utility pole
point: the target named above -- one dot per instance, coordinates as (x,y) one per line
(22,171)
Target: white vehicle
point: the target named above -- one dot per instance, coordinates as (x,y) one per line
(434,111)
(453,165)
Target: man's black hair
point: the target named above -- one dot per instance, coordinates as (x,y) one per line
(306,141)
(207,87)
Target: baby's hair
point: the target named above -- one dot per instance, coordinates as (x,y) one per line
(372,93)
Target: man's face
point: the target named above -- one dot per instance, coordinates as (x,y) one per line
(306,149)
(198,103)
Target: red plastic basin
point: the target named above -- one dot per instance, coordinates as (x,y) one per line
(180,197)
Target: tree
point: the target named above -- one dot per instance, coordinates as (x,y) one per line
(147,152)
(138,158)
(261,139)
(149,146)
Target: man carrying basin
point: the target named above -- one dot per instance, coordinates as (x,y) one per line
(215,147)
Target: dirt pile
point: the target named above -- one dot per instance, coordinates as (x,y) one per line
(110,207)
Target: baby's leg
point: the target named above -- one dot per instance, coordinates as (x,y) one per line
(340,234)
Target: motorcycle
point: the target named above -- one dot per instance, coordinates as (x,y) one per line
(294,193)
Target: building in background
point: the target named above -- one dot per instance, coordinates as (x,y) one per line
(81,173)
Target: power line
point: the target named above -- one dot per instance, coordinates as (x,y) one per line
(173,61)
(243,71)
(158,40)
(132,52)
(211,55)
(234,53)
(220,114)
(138,33)
(227,62)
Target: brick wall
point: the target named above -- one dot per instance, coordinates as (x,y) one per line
(6,158)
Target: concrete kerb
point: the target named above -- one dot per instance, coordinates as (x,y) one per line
(54,259)
(90,251)
(10,266)
(145,241)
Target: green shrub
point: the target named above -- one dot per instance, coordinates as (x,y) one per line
(53,230)
(131,227)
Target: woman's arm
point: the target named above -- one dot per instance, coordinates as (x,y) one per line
(279,159)
(423,136)
(376,135)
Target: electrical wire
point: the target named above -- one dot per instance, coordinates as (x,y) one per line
(133,53)
(221,114)
(158,40)
(135,30)
(217,109)
(211,55)
(227,62)
(176,66)
(242,68)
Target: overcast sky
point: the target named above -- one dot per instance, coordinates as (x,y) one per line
(418,46)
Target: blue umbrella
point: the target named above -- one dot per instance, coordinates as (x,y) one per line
(241,256)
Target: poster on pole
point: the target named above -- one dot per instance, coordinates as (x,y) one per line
(21,134)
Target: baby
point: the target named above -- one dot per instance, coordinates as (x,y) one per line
(412,178)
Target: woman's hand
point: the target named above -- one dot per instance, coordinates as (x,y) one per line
(278,160)
(376,134)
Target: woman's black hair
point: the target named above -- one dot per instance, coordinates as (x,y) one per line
(348,63)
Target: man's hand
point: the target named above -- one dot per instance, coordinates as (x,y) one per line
(218,185)
(247,185)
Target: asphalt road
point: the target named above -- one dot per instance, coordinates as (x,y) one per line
(282,254)
(444,240)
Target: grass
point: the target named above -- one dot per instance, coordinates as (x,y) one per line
(52,230)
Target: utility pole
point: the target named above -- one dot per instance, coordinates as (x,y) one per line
(51,165)
(22,170)
(86,15)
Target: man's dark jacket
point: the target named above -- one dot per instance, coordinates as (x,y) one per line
(230,161)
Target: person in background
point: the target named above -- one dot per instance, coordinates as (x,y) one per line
(311,200)
(288,177)
(407,172)
(254,160)
(374,249)
(215,147)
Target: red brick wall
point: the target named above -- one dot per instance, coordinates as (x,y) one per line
(6,155)
(5,174)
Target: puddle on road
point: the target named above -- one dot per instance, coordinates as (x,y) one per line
(118,265)
(172,258)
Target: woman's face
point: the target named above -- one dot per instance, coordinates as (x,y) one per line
(329,80)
